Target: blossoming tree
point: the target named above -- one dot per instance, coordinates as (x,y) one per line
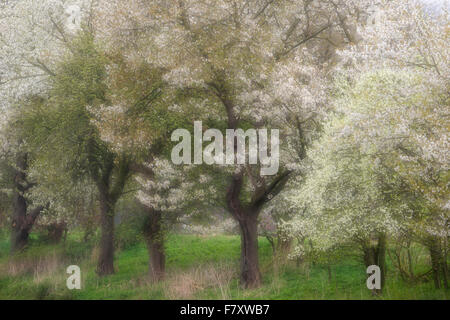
(248,64)
(383,162)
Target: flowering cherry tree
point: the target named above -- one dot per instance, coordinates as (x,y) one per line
(412,37)
(246,64)
(33,36)
(15,159)
(382,164)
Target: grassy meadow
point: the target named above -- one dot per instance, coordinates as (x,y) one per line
(198,267)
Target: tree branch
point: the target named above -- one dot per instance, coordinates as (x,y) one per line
(272,190)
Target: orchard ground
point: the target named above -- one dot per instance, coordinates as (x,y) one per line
(198,267)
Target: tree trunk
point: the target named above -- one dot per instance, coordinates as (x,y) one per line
(56,232)
(436,261)
(110,183)
(250,274)
(445,268)
(444,274)
(20,229)
(22,220)
(157,262)
(22,224)
(376,255)
(381,258)
(105,264)
(330,273)
(154,236)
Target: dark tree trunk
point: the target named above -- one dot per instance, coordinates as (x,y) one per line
(444,274)
(56,232)
(154,236)
(376,255)
(436,261)
(22,224)
(20,230)
(445,269)
(250,274)
(22,221)
(109,194)
(381,256)
(247,217)
(105,264)
(157,262)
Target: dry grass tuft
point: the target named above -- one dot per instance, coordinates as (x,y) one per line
(38,266)
(184,285)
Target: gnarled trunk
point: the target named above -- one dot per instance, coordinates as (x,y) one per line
(22,220)
(154,236)
(105,264)
(22,223)
(246,214)
(247,219)
(250,274)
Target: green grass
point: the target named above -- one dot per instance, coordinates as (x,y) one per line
(192,262)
